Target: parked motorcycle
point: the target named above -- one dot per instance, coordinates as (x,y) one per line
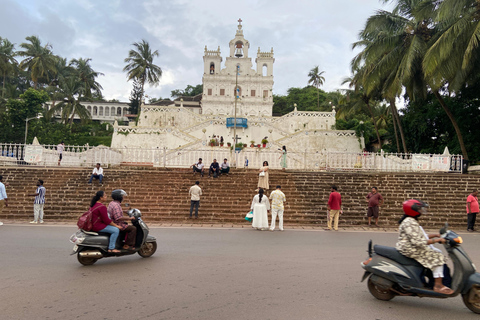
(91,246)
(392,274)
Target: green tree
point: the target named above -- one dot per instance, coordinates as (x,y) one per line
(39,60)
(189,91)
(70,88)
(135,98)
(140,65)
(88,78)
(12,122)
(7,61)
(316,79)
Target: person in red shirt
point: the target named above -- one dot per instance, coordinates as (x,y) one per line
(101,221)
(375,200)
(472,210)
(334,208)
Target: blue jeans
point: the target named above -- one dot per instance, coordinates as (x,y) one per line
(114,231)
(99,177)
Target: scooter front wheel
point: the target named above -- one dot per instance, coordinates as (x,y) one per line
(472,299)
(147,249)
(379,293)
(86,261)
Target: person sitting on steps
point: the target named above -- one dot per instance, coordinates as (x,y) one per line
(198,167)
(214,168)
(97,174)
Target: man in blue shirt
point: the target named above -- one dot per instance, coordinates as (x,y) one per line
(3,197)
(39,202)
(214,168)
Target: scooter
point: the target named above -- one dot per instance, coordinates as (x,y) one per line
(91,246)
(392,274)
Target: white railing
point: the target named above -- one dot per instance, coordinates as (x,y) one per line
(86,156)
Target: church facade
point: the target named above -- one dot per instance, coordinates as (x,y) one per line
(238,91)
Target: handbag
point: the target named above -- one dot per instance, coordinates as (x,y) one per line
(249,216)
(261,174)
(85,221)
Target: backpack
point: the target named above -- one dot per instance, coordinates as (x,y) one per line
(85,221)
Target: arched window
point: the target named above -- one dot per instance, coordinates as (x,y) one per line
(125,110)
(264,70)
(94,111)
(100,111)
(107,111)
(119,111)
(89,109)
(212,68)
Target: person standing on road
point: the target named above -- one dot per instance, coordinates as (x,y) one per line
(278,198)
(375,200)
(260,207)
(195,193)
(60,148)
(3,197)
(39,202)
(334,208)
(472,210)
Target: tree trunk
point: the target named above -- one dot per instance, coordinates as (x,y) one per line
(399,124)
(395,128)
(454,123)
(318,99)
(3,89)
(374,123)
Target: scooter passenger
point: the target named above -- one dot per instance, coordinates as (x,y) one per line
(414,243)
(116,214)
(101,221)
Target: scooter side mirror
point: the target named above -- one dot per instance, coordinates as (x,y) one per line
(444,229)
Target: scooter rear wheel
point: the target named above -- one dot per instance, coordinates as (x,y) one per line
(85,260)
(473,306)
(148,249)
(379,293)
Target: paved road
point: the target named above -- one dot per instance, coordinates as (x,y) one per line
(205,273)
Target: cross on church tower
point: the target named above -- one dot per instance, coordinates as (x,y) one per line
(240,21)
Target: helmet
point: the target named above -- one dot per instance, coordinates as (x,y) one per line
(414,207)
(118,194)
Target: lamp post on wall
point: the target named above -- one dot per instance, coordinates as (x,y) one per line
(26,124)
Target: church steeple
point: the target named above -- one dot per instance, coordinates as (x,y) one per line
(239,46)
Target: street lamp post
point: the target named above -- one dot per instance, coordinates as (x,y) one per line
(26,125)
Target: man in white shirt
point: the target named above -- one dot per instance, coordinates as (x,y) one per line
(278,198)
(60,148)
(39,202)
(97,174)
(198,167)
(3,196)
(225,167)
(195,193)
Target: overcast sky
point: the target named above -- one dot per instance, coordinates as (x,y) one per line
(303,33)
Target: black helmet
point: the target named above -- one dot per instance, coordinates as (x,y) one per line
(118,194)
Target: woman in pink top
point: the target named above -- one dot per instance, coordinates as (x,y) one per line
(101,221)
(472,210)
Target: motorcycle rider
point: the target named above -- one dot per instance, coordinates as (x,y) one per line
(116,214)
(414,243)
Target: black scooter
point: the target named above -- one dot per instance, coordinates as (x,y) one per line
(390,273)
(91,246)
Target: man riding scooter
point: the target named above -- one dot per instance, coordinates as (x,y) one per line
(414,243)
(116,214)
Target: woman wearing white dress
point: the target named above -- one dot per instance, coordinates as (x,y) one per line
(260,207)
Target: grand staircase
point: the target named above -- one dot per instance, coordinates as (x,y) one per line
(162,194)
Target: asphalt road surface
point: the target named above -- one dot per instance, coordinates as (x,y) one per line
(206,273)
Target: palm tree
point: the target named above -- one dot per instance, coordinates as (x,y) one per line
(87,76)
(140,65)
(452,57)
(7,60)
(317,80)
(395,44)
(39,60)
(70,89)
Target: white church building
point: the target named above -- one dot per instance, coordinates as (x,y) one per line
(239,90)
